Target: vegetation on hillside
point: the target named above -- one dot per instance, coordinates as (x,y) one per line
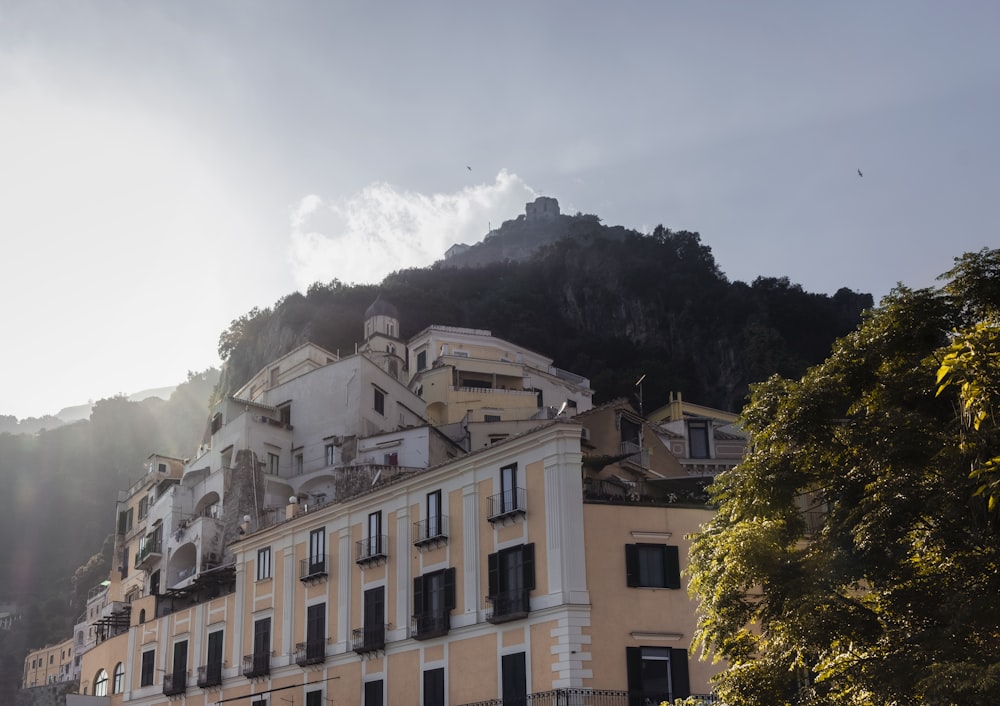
(886,593)
(605,303)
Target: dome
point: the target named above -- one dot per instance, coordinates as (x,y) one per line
(380,307)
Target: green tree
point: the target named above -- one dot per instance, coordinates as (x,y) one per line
(855,557)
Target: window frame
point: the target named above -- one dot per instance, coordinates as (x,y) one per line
(378,400)
(147,670)
(264,563)
(118,679)
(638,566)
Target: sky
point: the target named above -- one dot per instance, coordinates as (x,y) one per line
(167,166)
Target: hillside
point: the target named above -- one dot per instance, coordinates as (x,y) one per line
(605,302)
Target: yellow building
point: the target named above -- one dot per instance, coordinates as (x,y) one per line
(490,576)
(49,665)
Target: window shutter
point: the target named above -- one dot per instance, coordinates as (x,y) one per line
(528,564)
(494,574)
(679,673)
(633,671)
(671,567)
(631,565)
(449,588)
(418,595)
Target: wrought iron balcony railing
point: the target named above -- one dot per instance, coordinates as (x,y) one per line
(210,675)
(373,549)
(430,531)
(310,652)
(257,665)
(508,605)
(368,639)
(507,504)
(174,683)
(314,567)
(424,626)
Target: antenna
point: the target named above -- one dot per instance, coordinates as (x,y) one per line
(638,383)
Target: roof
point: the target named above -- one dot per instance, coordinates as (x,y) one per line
(380,307)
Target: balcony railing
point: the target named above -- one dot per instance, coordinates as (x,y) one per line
(310,652)
(313,568)
(430,531)
(174,683)
(424,626)
(210,675)
(595,697)
(257,665)
(508,605)
(150,551)
(373,549)
(509,503)
(368,639)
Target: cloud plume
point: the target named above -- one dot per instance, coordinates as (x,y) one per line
(365,236)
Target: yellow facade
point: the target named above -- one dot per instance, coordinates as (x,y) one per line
(512,515)
(48,665)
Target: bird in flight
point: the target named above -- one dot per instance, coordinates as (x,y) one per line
(860,174)
(468,167)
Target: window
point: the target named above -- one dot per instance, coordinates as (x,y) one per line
(118,685)
(652,566)
(491,417)
(143,506)
(511,579)
(371,636)
(421,360)
(510,499)
(148,668)
(178,675)
(390,459)
(698,438)
(101,683)
(314,698)
(331,458)
(434,687)
(272,463)
(373,693)
(285,415)
(379,401)
(275,372)
(216,422)
(433,600)
(657,674)
(513,679)
(375,533)
(162,468)
(125,518)
(317,550)
(434,524)
(263,563)
(315,633)
(261,659)
(299,465)
(213,668)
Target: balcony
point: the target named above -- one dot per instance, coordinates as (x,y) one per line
(508,504)
(150,552)
(310,652)
(210,675)
(257,665)
(174,683)
(424,626)
(508,605)
(313,568)
(368,639)
(431,532)
(373,550)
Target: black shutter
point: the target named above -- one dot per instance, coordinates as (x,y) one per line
(633,671)
(418,595)
(434,687)
(679,673)
(449,589)
(513,680)
(373,693)
(528,566)
(671,567)
(316,622)
(494,574)
(631,565)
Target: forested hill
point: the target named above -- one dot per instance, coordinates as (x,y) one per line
(605,302)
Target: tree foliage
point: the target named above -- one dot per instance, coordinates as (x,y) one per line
(855,557)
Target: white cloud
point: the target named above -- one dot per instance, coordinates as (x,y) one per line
(381,229)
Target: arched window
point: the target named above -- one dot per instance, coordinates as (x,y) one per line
(101,684)
(118,686)
(142,616)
